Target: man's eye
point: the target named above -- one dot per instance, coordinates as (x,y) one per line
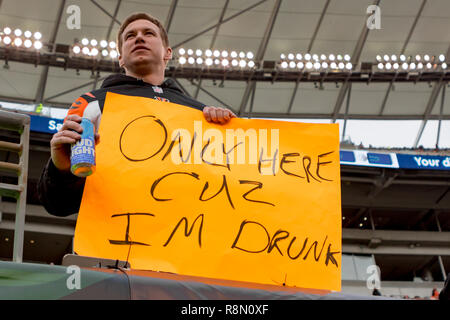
(128,36)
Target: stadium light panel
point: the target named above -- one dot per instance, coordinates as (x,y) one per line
(38,45)
(17,42)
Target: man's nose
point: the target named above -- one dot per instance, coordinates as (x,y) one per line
(139,37)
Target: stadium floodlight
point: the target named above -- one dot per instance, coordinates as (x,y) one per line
(191,60)
(388,66)
(412,66)
(225,63)
(94,52)
(307,57)
(396,66)
(418,57)
(17,32)
(402,58)
(112,45)
(309,65)
(28,43)
(386,57)
(282,56)
(190,52)
(84,41)
(208,53)
(7,31)
(85,50)
(216,61)
(216,53)
(347,57)
(105,53)
(182,60)
(242,54)
(444,66)
(429,65)
(394,57)
(198,52)
(441,58)
(349,66)
(292,64)
(250,55)
(315,57)
(209,61)
(341,65)
(426,57)
(317,65)
(94,42)
(243,63)
(323,57)
(7,40)
(113,54)
(251,64)
(199,60)
(379,58)
(299,56)
(224,54)
(291,56)
(333,65)
(37,35)
(103,43)
(181,51)
(339,57)
(331,57)
(300,65)
(420,65)
(27,34)
(233,54)
(380,66)
(324,65)
(405,66)
(76,49)
(17,42)
(38,45)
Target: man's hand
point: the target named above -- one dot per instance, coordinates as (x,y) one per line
(218,115)
(61,142)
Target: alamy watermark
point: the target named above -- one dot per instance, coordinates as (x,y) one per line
(74,19)
(73,282)
(374,20)
(251,146)
(374,279)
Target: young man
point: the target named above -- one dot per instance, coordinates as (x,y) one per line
(144,53)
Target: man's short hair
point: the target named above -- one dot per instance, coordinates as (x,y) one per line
(142,16)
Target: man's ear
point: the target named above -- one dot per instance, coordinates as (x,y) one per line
(168,54)
(120,61)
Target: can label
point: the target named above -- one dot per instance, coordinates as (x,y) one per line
(83,152)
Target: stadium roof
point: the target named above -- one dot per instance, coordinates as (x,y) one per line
(268,28)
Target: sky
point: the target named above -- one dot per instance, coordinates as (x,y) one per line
(375,133)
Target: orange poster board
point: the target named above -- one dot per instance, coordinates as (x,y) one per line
(253,200)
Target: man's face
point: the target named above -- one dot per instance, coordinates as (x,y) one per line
(142,48)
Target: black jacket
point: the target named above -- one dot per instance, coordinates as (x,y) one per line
(60,192)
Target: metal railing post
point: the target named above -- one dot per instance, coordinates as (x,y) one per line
(20,123)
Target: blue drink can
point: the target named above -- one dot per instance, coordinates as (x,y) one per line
(82,157)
